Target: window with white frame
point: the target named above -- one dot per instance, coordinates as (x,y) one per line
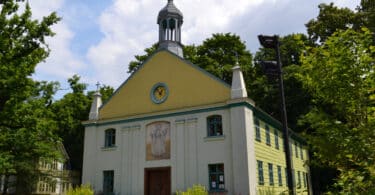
(276,139)
(296,147)
(257,130)
(260,172)
(268,135)
(270,173)
(279,176)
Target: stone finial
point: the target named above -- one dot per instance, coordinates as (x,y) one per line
(95,105)
(238,89)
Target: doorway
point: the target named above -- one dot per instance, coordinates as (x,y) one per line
(158,181)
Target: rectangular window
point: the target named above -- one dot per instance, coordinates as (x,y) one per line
(260,173)
(214,126)
(257,130)
(268,136)
(270,173)
(304,179)
(276,139)
(216,176)
(108,182)
(279,176)
(296,147)
(110,138)
(301,152)
(299,179)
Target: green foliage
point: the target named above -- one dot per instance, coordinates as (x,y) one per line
(26,124)
(330,19)
(216,55)
(265,91)
(70,111)
(82,190)
(195,190)
(220,53)
(140,59)
(28,135)
(366,11)
(22,47)
(340,75)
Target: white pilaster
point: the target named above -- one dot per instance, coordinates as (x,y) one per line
(243,151)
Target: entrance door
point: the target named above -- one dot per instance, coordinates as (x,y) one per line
(158,181)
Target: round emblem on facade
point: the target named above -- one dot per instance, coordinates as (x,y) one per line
(159,93)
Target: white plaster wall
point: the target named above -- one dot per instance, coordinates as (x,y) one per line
(191,153)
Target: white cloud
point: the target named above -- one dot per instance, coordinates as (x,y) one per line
(62,62)
(43,8)
(129,26)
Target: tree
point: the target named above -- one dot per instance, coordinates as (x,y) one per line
(216,55)
(340,76)
(70,111)
(140,59)
(220,53)
(366,10)
(25,122)
(22,47)
(27,136)
(265,91)
(330,19)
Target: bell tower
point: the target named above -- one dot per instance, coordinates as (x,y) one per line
(170,20)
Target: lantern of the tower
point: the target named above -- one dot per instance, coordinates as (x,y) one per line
(170,20)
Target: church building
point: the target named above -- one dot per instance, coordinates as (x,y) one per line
(172,125)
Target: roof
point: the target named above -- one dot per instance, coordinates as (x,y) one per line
(170,10)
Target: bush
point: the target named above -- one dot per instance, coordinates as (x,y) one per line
(82,190)
(195,190)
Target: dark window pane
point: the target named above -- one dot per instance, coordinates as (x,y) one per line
(214,125)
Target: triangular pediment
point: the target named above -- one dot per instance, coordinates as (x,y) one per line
(187,84)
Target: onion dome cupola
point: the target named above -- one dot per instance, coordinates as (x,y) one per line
(170,20)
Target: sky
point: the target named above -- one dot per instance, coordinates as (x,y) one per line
(96,39)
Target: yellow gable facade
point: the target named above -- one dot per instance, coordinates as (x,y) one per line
(188,86)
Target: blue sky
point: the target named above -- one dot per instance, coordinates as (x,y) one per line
(96,39)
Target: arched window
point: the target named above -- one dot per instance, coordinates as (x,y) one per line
(110,138)
(214,126)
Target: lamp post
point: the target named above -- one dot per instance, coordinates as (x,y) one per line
(273,69)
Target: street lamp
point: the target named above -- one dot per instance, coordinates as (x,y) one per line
(272,69)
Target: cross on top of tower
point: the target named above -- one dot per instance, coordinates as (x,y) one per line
(97,86)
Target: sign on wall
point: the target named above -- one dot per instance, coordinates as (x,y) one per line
(158,144)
